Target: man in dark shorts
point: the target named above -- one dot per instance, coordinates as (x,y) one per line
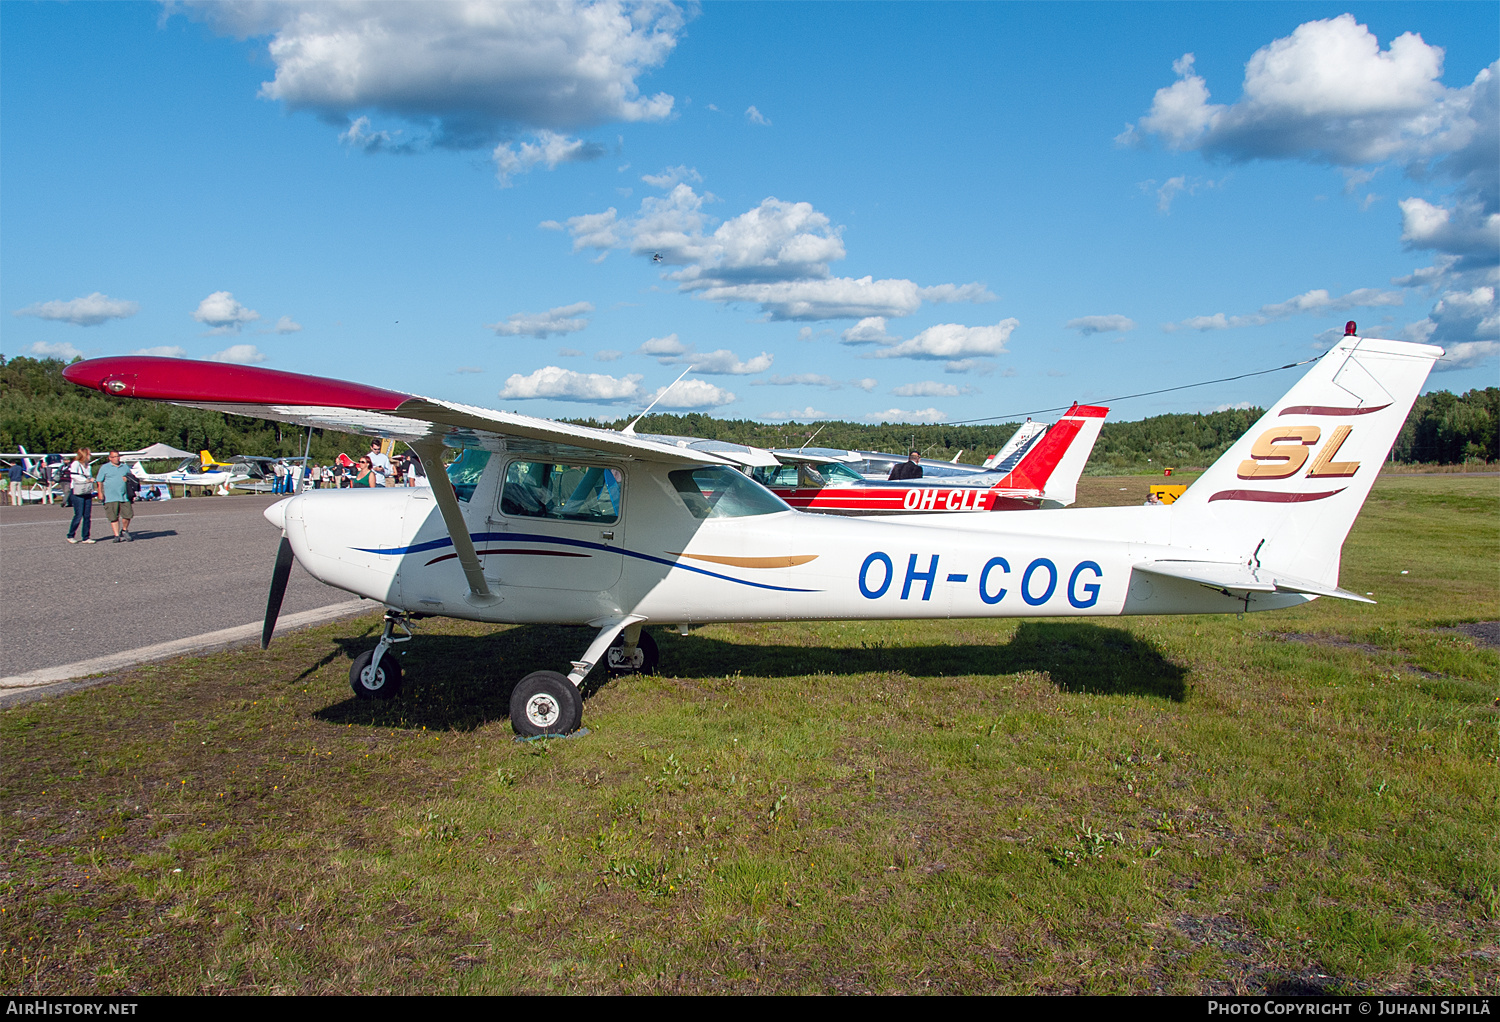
(117,506)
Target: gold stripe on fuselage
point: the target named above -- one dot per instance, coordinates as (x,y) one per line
(750,562)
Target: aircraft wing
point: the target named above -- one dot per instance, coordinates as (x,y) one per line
(789,457)
(357,408)
(738,454)
(1224,575)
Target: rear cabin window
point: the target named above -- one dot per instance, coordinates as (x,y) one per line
(718,492)
(570,493)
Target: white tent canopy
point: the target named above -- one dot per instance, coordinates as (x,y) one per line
(156,452)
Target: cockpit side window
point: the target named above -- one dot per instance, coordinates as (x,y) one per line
(718,492)
(573,493)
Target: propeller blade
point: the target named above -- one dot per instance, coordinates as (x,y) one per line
(279,576)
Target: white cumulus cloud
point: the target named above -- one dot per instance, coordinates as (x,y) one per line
(240,354)
(670,350)
(940,293)
(797,380)
(777,256)
(870,330)
(690,394)
(1467,355)
(1465,231)
(163,350)
(465,71)
(663,347)
(925,415)
(223,314)
(671,176)
(722,362)
(55,349)
(287,325)
(565,319)
(1089,325)
(550,148)
(866,384)
(806,413)
(953,341)
(929,388)
(567,385)
(1315,302)
(754,116)
(1328,94)
(1465,322)
(90,310)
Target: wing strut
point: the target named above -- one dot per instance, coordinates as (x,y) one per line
(430,454)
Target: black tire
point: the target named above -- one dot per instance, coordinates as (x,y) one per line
(386,682)
(545,703)
(645,661)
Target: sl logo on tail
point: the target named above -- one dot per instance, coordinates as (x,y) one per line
(1281,452)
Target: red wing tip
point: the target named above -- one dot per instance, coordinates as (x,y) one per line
(180,379)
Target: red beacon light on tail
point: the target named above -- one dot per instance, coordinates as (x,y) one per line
(1349,329)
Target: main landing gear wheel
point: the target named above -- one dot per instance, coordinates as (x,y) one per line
(545,703)
(384,682)
(643,661)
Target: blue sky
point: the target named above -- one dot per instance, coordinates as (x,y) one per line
(915,212)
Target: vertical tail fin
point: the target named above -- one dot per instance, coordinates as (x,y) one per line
(1055,463)
(1286,494)
(1019,443)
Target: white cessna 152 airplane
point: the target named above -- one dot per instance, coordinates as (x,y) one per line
(543,522)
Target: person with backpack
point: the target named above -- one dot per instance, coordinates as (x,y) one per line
(78,483)
(114,480)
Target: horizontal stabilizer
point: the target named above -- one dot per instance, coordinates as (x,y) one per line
(1225,575)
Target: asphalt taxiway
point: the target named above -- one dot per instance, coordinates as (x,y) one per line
(195,577)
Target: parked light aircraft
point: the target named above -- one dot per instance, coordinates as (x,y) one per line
(1039,474)
(189,473)
(878,464)
(545,522)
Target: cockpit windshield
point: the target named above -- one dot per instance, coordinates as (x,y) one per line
(466,470)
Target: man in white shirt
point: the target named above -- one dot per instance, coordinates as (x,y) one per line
(380,465)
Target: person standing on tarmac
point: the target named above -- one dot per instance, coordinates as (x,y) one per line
(116,498)
(380,465)
(78,484)
(911,468)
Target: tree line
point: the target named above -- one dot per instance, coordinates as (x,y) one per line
(43,412)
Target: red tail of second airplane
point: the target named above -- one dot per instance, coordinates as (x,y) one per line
(1054,464)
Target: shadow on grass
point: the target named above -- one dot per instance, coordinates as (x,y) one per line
(460,682)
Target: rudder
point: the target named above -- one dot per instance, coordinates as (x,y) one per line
(1285,495)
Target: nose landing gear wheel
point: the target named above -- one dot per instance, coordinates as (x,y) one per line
(384,682)
(545,703)
(643,661)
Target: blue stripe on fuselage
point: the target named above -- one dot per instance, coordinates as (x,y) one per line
(526,537)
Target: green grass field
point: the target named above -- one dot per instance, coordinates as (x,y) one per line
(1297,801)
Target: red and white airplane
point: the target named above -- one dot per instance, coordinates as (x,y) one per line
(1046,475)
(545,522)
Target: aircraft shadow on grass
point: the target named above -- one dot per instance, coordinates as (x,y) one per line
(450,681)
